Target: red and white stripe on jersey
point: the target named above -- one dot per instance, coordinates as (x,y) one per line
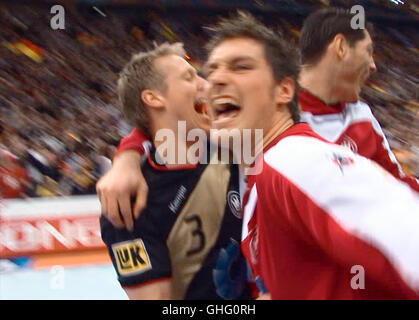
(137,141)
(248,210)
(249,232)
(362,197)
(319,197)
(352,125)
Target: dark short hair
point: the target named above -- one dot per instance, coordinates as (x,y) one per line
(280,55)
(320,28)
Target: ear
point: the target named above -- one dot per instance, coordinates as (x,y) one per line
(152,98)
(339,46)
(285,91)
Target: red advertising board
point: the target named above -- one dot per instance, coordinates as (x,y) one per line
(43,233)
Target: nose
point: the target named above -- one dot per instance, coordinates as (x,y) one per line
(217,79)
(373,67)
(202,84)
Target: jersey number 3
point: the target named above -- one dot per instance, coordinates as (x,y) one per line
(197,232)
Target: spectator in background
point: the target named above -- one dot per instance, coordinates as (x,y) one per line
(48,188)
(68,91)
(14,178)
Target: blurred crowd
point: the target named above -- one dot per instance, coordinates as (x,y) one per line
(60,122)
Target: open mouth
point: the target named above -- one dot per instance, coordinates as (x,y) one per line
(225,108)
(201,108)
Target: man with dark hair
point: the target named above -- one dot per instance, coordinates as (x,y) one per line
(322,26)
(277,52)
(336,62)
(282,57)
(317,210)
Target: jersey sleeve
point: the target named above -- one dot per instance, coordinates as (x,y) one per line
(386,158)
(136,141)
(140,256)
(349,207)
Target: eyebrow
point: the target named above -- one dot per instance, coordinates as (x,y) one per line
(233,60)
(191,70)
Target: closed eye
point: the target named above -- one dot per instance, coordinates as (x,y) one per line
(242,67)
(189,75)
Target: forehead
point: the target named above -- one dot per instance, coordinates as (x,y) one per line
(172,64)
(232,48)
(367,39)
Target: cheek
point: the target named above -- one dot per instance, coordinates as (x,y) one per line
(363,62)
(184,92)
(257,93)
(367,63)
(191,91)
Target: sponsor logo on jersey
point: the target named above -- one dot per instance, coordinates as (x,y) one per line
(342,161)
(180,196)
(233,198)
(131,257)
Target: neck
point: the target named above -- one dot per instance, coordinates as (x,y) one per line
(321,82)
(281,123)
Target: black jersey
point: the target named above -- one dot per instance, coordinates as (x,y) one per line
(190,231)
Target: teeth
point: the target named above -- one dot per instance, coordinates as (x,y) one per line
(221,101)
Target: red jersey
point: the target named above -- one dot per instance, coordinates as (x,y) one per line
(352,125)
(349,124)
(137,141)
(321,222)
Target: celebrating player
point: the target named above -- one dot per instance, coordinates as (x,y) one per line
(317,210)
(187,238)
(336,62)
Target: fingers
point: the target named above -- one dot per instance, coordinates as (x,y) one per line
(141,199)
(114,190)
(125,209)
(113,213)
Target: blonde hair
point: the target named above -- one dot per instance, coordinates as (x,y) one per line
(140,74)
